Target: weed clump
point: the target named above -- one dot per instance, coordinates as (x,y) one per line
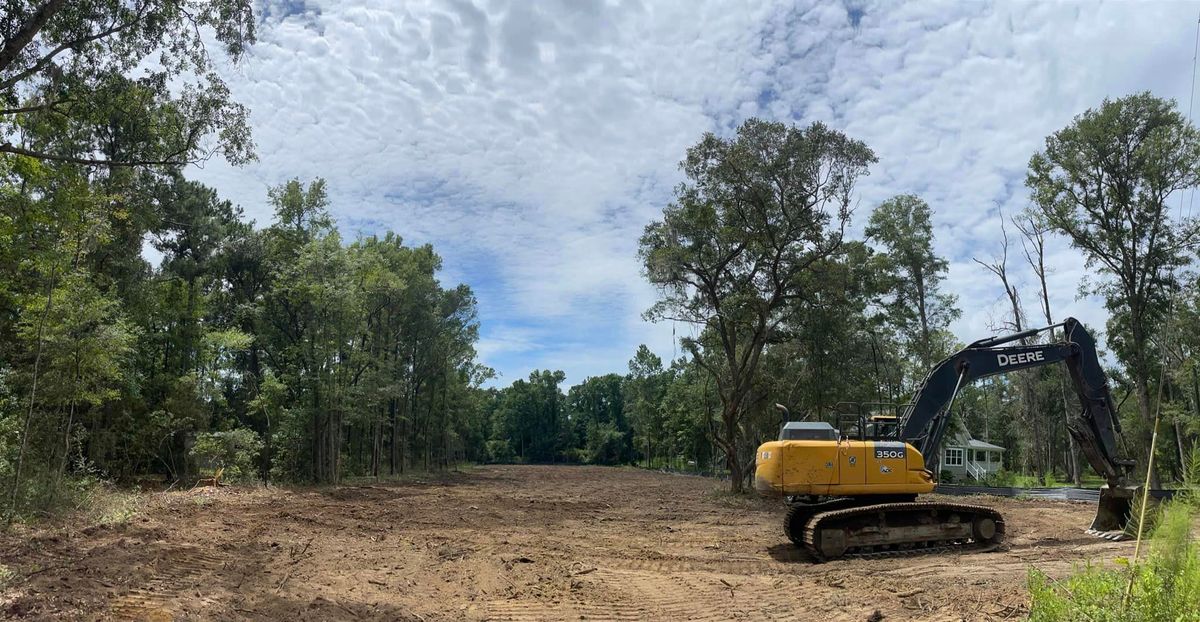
(1163,586)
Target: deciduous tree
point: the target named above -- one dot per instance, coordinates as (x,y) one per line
(755,212)
(1104,182)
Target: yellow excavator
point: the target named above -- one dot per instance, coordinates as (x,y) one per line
(852,491)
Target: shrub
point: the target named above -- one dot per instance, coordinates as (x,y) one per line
(946,477)
(1165,585)
(604,444)
(1002,478)
(500,450)
(236,451)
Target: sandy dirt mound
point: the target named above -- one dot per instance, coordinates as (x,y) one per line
(512,543)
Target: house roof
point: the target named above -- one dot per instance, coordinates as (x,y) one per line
(974,444)
(963,439)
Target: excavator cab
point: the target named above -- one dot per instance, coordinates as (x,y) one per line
(874,421)
(882,426)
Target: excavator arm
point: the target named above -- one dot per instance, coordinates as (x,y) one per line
(1094,428)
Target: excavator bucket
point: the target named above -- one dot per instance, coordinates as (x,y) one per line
(1113,514)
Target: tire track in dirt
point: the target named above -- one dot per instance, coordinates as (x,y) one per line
(649,594)
(181,571)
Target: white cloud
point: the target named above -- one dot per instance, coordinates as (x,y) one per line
(531,142)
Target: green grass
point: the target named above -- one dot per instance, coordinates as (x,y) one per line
(8,576)
(1007,478)
(109,507)
(1163,585)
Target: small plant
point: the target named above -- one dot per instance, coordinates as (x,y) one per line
(7,577)
(235,452)
(1002,479)
(109,507)
(1164,586)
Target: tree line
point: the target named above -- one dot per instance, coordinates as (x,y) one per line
(284,351)
(280,352)
(288,352)
(753,253)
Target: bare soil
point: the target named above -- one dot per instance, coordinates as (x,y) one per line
(511,543)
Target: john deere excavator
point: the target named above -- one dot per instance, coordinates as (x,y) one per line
(854,491)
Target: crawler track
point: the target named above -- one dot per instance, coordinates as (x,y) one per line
(897,529)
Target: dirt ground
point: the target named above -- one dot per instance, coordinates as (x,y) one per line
(511,543)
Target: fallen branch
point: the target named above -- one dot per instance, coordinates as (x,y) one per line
(287,576)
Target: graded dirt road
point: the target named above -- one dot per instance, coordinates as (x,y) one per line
(511,543)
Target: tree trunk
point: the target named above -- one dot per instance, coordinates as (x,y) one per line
(393,449)
(267,447)
(926,349)
(1145,410)
(1073,453)
(37,363)
(316,434)
(732,461)
(376,446)
(67,436)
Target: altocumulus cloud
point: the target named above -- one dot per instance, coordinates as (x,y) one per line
(532,142)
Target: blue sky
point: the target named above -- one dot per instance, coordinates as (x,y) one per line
(532,142)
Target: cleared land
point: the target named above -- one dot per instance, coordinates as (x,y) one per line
(511,543)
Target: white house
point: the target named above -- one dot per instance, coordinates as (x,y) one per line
(966,457)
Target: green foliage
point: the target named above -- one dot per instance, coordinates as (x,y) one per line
(339,357)
(500,450)
(1106,183)
(65,76)
(596,411)
(1002,478)
(605,444)
(530,416)
(83,339)
(910,273)
(235,451)
(1165,586)
(731,253)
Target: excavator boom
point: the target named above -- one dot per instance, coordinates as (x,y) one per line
(1094,427)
